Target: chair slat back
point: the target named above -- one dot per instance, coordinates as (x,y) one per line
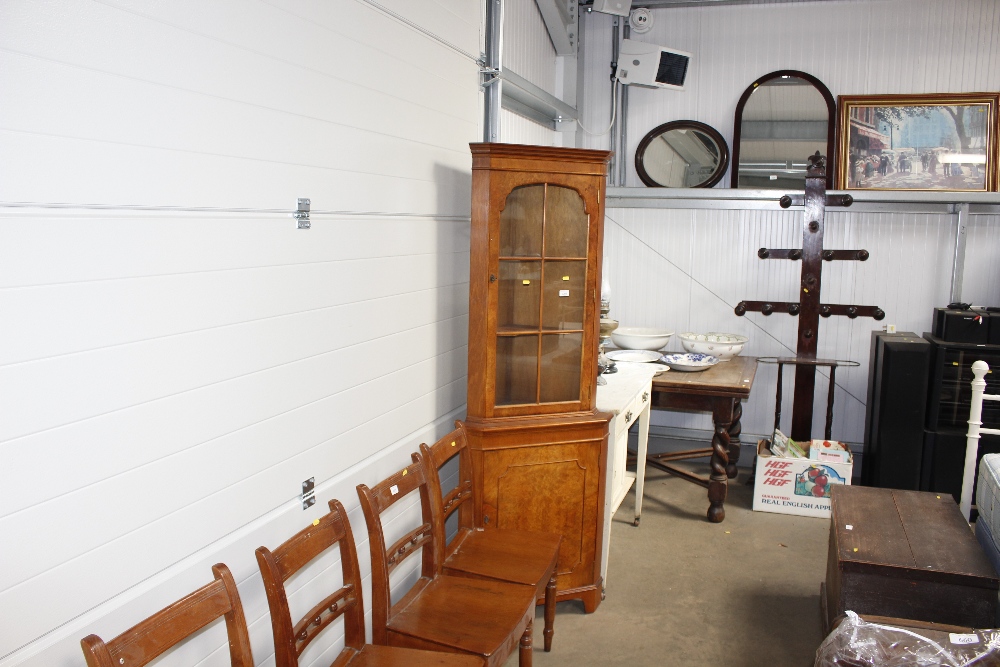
(374,501)
(145,641)
(277,566)
(459,498)
(397,486)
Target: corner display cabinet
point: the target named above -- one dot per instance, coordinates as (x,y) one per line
(539,446)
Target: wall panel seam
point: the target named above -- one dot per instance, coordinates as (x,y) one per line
(4,443)
(216,492)
(254,267)
(297,313)
(263,54)
(255,159)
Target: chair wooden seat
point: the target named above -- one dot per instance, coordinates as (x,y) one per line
(147,640)
(290,641)
(484,618)
(438,615)
(516,556)
(373,655)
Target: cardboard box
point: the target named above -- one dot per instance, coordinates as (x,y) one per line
(789,485)
(829,450)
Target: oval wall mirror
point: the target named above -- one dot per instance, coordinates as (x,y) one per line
(782,119)
(682,154)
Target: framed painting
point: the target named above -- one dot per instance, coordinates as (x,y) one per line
(918,142)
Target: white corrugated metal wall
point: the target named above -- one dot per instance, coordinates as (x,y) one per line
(687,269)
(176,356)
(528,52)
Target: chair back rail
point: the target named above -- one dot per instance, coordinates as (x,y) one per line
(459,499)
(150,638)
(376,500)
(277,566)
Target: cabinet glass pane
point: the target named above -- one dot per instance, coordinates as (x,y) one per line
(563,294)
(519,290)
(566,223)
(521,222)
(517,370)
(561,359)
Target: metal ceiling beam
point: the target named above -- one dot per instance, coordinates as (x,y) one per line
(528,100)
(560,18)
(492,63)
(669,4)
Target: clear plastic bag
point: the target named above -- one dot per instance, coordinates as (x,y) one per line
(858,643)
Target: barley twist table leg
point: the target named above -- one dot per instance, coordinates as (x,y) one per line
(718,481)
(734,439)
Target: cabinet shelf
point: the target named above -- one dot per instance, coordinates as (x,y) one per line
(519,331)
(539,258)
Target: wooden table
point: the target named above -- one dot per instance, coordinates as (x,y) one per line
(907,554)
(719,390)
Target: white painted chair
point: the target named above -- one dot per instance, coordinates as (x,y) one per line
(979,370)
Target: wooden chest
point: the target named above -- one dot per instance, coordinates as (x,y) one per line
(907,554)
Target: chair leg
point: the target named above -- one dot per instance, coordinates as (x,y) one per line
(550,612)
(524,656)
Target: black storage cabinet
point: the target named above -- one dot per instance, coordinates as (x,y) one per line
(949,399)
(895,415)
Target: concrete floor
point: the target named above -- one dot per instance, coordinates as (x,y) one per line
(682,591)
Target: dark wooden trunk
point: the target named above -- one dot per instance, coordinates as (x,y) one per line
(906,554)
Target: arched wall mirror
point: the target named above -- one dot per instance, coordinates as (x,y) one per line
(782,119)
(682,154)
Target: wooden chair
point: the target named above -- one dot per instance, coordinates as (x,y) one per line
(347,601)
(517,556)
(142,643)
(476,616)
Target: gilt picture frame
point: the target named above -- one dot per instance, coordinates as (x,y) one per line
(930,142)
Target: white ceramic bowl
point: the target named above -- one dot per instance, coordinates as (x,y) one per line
(722,345)
(640,338)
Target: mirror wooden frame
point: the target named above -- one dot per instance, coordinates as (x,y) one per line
(831,124)
(714,134)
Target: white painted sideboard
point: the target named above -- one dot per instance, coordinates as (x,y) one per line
(626,395)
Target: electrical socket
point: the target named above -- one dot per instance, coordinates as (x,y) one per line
(308,493)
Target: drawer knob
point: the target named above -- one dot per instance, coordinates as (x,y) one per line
(628,416)
(645,396)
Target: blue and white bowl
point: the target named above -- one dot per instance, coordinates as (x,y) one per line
(689,362)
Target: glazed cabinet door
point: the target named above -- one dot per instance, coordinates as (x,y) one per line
(541,269)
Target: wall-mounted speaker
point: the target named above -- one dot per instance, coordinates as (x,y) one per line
(652,66)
